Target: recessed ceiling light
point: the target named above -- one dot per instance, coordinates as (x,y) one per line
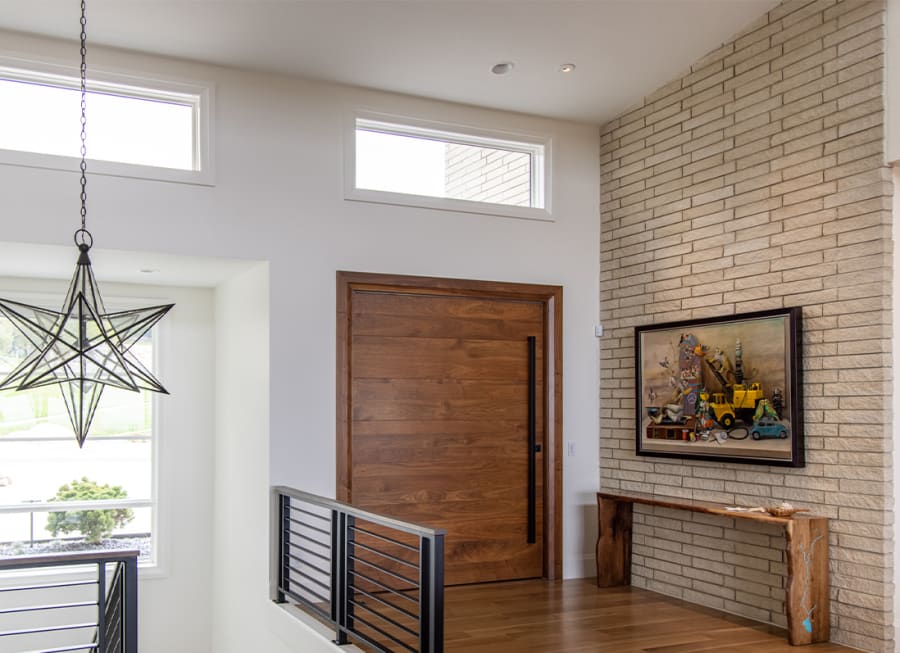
(149,271)
(502,68)
(567,68)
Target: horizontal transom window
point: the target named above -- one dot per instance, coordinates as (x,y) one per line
(131,130)
(400,163)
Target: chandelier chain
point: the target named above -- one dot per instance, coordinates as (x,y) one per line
(83,116)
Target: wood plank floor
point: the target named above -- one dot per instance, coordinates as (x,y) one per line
(576,616)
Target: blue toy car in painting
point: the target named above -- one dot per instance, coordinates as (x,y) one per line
(766,427)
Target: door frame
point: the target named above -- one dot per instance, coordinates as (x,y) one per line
(549,296)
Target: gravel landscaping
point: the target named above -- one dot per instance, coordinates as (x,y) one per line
(44,547)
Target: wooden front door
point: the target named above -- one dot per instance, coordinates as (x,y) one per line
(434,413)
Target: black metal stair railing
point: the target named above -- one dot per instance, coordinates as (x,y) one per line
(95,609)
(376,580)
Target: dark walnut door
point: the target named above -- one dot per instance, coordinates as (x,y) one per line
(438,414)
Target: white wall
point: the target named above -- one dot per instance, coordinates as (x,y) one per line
(173,600)
(278,198)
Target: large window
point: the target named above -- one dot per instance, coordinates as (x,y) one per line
(39,457)
(409,163)
(132,130)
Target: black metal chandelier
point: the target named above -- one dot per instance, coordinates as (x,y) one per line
(82,347)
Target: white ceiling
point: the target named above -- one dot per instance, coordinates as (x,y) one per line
(444,49)
(35,261)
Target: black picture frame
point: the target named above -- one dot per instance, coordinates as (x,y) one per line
(724,389)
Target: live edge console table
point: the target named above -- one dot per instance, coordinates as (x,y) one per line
(807,594)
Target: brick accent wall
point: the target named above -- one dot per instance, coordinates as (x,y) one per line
(484,175)
(755,181)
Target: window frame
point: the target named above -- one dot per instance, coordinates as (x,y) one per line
(154,566)
(199,95)
(538,146)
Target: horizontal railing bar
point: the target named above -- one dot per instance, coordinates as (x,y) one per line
(57,606)
(386,555)
(61,649)
(381,632)
(364,639)
(312,514)
(315,595)
(331,504)
(314,554)
(325,545)
(326,615)
(383,586)
(385,538)
(295,594)
(46,629)
(395,624)
(324,586)
(311,564)
(399,577)
(47,586)
(388,604)
(307,538)
(66,506)
(312,528)
(68,559)
(293,547)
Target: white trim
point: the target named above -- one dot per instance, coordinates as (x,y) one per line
(539,147)
(200,96)
(54,506)
(159,548)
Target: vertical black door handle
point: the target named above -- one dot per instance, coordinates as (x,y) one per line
(532,436)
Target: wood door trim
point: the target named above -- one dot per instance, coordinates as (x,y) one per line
(549,296)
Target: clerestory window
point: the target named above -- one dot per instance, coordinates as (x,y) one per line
(446,167)
(156,131)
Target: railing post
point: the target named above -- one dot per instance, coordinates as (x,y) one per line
(339,575)
(349,567)
(431,594)
(130,607)
(101,607)
(284,545)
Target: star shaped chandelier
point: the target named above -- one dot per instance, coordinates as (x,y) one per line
(82,348)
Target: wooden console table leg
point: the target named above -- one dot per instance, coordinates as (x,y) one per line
(614,542)
(807,597)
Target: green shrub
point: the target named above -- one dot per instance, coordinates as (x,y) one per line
(93,524)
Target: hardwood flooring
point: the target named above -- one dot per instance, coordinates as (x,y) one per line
(576,616)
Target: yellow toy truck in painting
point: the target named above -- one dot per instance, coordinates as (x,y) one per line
(722,410)
(743,404)
(744,398)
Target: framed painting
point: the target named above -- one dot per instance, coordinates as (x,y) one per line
(724,388)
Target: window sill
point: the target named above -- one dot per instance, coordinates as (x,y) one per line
(106,168)
(146,571)
(448,204)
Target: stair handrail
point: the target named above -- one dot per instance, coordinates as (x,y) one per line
(347,611)
(115,628)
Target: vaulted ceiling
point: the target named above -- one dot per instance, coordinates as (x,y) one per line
(444,49)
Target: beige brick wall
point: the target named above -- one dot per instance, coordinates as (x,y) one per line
(484,175)
(758,181)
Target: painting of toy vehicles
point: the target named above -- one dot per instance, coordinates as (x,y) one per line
(725,388)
